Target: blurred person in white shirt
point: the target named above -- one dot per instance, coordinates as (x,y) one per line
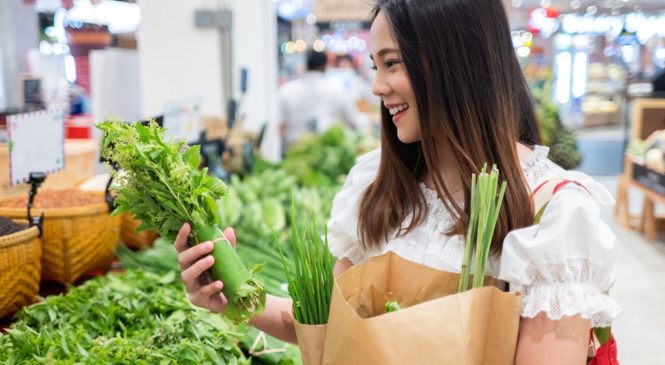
(312,103)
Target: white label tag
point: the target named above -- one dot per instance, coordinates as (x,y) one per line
(36,144)
(182,120)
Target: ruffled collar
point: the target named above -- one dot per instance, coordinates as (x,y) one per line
(529,162)
(539,153)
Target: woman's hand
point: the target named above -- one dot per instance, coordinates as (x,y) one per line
(194,263)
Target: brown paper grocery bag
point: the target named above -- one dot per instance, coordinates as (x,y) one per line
(435,326)
(310,341)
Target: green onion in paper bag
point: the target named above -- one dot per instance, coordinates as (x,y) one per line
(484,212)
(310,275)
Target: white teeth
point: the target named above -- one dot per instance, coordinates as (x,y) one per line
(397,109)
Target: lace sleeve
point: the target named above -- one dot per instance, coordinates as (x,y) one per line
(564,266)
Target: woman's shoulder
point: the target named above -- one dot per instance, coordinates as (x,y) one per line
(343,222)
(538,169)
(363,171)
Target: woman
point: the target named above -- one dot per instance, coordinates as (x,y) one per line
(453,97)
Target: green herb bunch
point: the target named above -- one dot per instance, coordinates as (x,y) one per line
(162,186)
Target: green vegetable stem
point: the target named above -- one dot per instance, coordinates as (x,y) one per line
(240,286)
(162,186)
(484,212)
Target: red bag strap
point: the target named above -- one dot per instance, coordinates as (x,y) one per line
(544,192)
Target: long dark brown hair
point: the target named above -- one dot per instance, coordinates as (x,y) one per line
(470,94)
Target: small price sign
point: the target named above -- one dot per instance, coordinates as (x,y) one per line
(182,120)
(36,144)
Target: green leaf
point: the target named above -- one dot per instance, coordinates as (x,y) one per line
(193,157)
(143,132)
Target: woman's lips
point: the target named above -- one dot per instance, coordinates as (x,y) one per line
(399,115)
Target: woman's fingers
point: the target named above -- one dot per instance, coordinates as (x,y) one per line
(204,294)
(181,240)
(230,235)
(190,275)
(188,257)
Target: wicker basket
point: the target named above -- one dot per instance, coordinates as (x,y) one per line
(20,268)
(129,235)
(75,239)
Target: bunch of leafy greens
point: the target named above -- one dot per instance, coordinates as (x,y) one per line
(132,318)
(162,184)
(163,187)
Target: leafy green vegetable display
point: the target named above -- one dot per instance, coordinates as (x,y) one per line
(162,186)
(257,205)
(131,318)
(143,316)
(323,160)
(160,258)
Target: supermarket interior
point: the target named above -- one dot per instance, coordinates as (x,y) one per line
(79,285)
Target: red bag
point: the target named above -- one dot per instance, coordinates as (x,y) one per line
(606,353)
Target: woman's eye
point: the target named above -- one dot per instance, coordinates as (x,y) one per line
(373,67)
(391,63)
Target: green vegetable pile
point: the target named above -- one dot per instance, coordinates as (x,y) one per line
(323,160)
(163,187)
(131,318)
(160,258)
(258,205)
(143,316)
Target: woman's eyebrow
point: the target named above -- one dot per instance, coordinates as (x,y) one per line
(383,52)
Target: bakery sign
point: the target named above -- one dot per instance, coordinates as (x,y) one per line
(334,10)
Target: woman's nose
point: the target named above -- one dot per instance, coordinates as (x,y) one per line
(380,87)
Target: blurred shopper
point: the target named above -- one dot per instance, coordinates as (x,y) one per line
(346,77)
(313,104)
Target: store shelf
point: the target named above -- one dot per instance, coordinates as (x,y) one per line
(604,97)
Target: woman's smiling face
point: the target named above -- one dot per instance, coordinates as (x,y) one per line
(391,82)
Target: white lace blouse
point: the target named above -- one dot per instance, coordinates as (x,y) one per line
(563,266)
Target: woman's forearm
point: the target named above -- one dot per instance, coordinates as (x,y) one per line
(277,319)
(544,341)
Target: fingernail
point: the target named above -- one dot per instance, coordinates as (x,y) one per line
(210,259)
(208,246)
